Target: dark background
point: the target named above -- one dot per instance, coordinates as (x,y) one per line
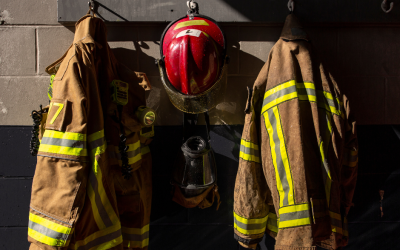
(174,227)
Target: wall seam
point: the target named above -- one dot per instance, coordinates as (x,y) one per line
(36,51)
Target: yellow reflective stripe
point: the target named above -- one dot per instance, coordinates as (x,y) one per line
(249,151)
(64,135)
(60,107)
(113,232)
(136,237)
(138,231)
(62,150)
(294,216)
(335,216)
(279,101)
(351,158)
(280,158)
(138,156)
(311,89)
(249,226)
(45,239)
(190,23)
(136,244)
(104,199)
(324,148)
(49,224)
(95,210)
(96,135)
(328,102)
(272,222)
(145,150)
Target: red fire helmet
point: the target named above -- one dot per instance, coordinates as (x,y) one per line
(193,52)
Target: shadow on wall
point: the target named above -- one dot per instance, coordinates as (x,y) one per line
(230,111)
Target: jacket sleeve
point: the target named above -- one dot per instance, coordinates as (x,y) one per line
(350,159)
(59,183)
(251,193)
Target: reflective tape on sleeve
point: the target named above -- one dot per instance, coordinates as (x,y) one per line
(249,226)
(136,237)
(48,232)
(294,216)
(272,222)
(65,143)
(350,158)
(249,151)
(280,158)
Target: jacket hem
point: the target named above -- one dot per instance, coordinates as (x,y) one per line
(283,247)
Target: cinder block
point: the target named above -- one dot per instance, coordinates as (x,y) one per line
(392,107)
(19,96)
(233,48)
(17,51)
(16,194)
(12,238)
(256,43)
(371,51)
(366,96)
(158,100)
(15,158)
(29,12)
(53,42)
(126,53)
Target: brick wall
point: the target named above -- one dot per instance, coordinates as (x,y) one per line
(363,59)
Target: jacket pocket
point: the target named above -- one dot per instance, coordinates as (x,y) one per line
(58,193)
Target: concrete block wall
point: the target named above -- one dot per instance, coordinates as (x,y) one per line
(363,59)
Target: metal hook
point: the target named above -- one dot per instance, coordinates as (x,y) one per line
(193,9)
(91,5)
(291,5)
(384,6)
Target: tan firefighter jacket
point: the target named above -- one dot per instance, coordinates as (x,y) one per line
(298,153)
(80,199)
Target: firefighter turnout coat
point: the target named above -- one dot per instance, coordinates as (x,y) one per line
(80,199)
(298,153)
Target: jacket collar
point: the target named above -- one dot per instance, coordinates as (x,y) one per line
(293,30)
(85,29)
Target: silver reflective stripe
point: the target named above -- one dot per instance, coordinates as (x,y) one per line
(135,237)
(306,91)
(101,240)
(96,143)
(132,153)
(249,151)
(63,142)
(47,231)
(102,211)
(272,222)
(336,222)
(328,101)
(278,94)
(250,226)
(294,215)
(279,162)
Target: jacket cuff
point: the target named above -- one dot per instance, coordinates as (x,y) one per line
(247,242)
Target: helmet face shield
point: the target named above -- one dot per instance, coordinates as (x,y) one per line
(195,169)
(195,104)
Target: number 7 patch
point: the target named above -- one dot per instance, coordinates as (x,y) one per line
(55,117)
